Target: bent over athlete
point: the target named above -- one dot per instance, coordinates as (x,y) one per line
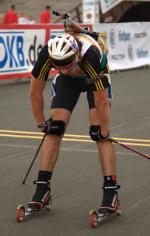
(82,67)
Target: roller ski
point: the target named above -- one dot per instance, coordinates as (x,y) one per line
(110,206)
(41,201)
(22,213)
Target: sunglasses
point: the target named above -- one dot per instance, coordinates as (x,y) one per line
(63,64)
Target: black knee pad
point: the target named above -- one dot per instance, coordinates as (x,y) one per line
(95,133)
(56,127)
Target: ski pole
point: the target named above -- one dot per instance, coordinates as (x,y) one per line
(29,169)
(129,148)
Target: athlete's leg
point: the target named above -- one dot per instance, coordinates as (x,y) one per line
(65,94)
(106,148)
(106,151)
(64,100)
(51,145)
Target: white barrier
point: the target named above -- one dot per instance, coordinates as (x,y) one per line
(20,45)
(128,44)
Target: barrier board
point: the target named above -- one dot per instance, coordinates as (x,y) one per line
(20,46)
(128,44)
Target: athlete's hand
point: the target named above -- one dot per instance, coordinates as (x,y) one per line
(44,127)
(51,126)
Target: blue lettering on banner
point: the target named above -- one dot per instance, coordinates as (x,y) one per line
(4,59)
(20,54)
(141,53)
(11,44)
(123,36)
(56,32)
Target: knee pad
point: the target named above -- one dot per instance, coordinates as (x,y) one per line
(56,127)
(95,133)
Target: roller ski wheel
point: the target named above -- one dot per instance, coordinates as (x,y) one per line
(97,218)
(22,213)
(110,205)
(93,219)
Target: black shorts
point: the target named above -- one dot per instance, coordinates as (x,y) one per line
(66,91)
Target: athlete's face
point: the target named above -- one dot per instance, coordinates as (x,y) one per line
(66,69)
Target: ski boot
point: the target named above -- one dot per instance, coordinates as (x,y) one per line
(41,200)
(110,206)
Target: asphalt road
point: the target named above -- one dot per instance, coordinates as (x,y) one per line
(77,178)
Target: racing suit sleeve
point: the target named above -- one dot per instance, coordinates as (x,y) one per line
(94,63)
(43,65)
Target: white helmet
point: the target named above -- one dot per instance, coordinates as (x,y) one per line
(62,49)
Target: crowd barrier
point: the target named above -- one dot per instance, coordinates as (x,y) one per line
(20,46)
(128,45)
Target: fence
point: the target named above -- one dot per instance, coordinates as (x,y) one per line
(128,45)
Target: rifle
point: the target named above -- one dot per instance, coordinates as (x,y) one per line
(73,28)
(69,24)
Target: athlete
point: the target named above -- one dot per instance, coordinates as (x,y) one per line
(82,67)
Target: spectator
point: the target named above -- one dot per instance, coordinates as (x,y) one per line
(1,18)
(11,17)
(109,19)
(25,19)
(45,16)
(22,19)
(31,21)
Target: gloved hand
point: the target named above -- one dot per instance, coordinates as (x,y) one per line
(44,127)
(51,126)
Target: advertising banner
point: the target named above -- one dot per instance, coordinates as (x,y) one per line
(128,44)
(19,50)
(107,5)
(137,1)
(20,46)
(91,11)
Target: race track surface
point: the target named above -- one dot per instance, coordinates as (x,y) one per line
(77,179)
